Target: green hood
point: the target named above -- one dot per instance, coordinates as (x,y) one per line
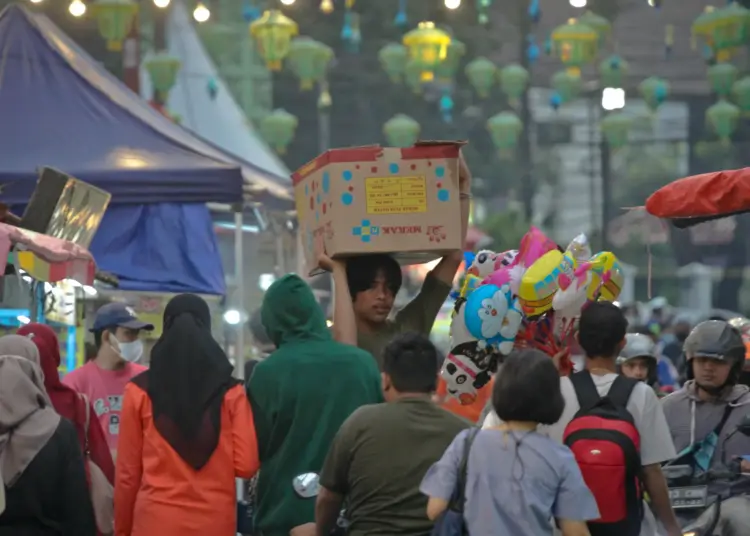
(290,313)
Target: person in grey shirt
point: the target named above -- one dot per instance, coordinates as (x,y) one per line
(516,479)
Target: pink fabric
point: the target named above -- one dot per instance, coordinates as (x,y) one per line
(104,389)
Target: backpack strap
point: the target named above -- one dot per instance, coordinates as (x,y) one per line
(85,400)
(457,505)
(585,389)
(619,392)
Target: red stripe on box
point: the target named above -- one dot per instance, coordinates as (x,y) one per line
(425,151)
(368,153)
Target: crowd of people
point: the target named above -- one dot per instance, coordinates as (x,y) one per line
(120,448)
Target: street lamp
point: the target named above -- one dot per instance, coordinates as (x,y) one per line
(77,8)
(613,98)
(201,13)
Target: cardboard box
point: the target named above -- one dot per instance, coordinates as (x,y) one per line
(364,200)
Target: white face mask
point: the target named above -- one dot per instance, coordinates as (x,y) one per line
(129,351)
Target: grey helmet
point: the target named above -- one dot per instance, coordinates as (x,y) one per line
(637,345)
(716,339)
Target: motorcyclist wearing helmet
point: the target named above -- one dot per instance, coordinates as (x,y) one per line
(715,354)
(637,358)
(743,325)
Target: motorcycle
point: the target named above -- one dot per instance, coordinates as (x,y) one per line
(701,512)
(307,486)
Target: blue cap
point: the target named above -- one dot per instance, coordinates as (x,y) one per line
(118,315)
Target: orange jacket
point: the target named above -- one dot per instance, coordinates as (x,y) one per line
(158,494)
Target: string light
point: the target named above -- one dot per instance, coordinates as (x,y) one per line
(77,8)
(161,4)
(326,6)
(452,4)
(578,3)
(287,2)
(35,1)
(201,13)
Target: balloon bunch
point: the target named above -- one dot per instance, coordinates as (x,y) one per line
(529,297)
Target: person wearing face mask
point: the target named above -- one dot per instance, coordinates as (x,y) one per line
(116,333)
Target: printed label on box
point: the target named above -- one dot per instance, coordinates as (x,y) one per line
(396,195)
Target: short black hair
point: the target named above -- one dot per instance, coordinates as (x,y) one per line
(361,272)
(412,362)
(601,329)
(257,330)
(98,339)
(90,351)
(527,388)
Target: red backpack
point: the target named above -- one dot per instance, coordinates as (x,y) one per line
(606,445)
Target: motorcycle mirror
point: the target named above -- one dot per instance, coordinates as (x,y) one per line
(744,426)
(306,485)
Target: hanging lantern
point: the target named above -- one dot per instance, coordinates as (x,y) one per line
(575,44)
(309,60)
(614,71)
(505,128)
(616,128)
(722,117)
(741,93)
(278,128)
(567,85)
(428,48)
(447,69)
(401,131)
(514,79)
(413,76)
(722,77)
(654,91)
(273,34)
(163,69)
(393,58)
(724,29)
(599,24)
(481,74)
(115,20)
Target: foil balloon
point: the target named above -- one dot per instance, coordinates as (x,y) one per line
(507,275)
(606,277)
(459,334)
(579,248)
(494,316)
(506,258)
(534,245)
(540,282)
(465,372)
(483,264)
(570,298)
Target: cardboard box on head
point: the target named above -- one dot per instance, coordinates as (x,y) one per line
(372,199)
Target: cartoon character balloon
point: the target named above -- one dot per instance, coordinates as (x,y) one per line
(463,374)
(607,277)
(540,282)
(483,264)
(491,314)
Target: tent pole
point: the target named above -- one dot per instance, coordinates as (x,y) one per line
(239,270)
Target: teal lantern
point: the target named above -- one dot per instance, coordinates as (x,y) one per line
(505,128)
(613,71)
(401,131)
(393,58)
(481,74)
(722,77)
(567,84)
(449,67)
(722,118)
(278,129)
(654,91)
(616,129)
(163,69)
(741,93)
(514,79)
(309,60)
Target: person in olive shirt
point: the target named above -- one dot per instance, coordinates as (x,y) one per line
(366,286)
(300,395)
(382,451)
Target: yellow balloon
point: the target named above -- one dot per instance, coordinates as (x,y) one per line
(605,263)
(539,283)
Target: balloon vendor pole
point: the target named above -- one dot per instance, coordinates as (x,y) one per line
(239,295)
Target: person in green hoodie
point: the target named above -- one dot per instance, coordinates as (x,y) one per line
(300,395)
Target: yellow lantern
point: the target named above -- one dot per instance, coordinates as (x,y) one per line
(428,48)
(273,34)
(115,20)
(576,44)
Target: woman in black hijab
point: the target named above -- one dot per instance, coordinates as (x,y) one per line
(186,425)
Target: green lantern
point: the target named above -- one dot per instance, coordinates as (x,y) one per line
(654,91)
(616,128)
(613,71)
(163,69)
(401,131)
(722,117)
(309,60)
(273,34)
(413,77)
(567,85)
(481,75)
(393,58)
(505,128)
(115,20)
(449,67)
(722,77)
(514,79)
(278,129)
(729,28)
(597,23)
(428,48)
(741,93)
(576,44)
